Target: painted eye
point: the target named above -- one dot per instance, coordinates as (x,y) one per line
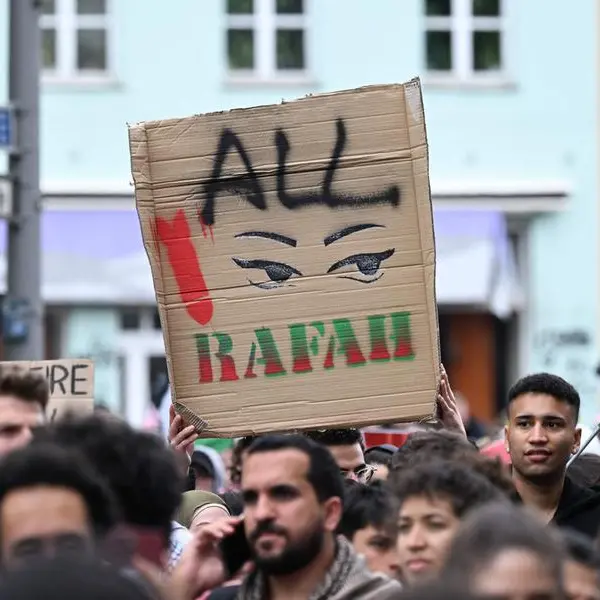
(367,264)
(278,273)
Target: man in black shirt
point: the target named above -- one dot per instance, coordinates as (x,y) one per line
(541,435)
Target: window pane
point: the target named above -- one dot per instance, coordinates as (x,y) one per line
(486,8)
(438,8)
(439,50)
(290,7)
(91,7)
(130,319)
(91,49)
(240,7)
(486,51)
(48,48)
(48,7)
(240,48)
(290,49)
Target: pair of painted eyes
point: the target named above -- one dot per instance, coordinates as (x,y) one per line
(367,268)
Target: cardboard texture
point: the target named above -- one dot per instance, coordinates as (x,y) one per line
(70,381)
(293,259)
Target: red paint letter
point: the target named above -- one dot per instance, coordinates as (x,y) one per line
(176,237)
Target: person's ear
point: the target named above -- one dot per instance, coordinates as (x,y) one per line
(333,513)
(576,441)
(506,434)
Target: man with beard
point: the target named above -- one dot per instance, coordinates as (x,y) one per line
(541,435)
(293,491)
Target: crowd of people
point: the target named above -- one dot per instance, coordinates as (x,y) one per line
(92,508)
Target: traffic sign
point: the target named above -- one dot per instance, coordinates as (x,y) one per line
(7,128)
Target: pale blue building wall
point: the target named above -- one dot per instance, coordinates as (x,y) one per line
(541,125)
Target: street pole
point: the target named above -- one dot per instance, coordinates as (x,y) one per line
(23,311)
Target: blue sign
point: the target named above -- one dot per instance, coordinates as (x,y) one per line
(7,128)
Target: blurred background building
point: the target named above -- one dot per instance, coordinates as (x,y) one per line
(511,96)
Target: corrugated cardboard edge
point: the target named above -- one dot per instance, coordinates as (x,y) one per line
(144,196)
(413,94)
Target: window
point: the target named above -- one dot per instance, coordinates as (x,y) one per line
(266,39)
(464,39)
(75,38)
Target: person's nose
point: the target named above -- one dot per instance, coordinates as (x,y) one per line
(538,435)
(263,510)
(415,538)
(352,476)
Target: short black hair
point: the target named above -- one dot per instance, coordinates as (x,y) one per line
(429,445)
(367,505)
(61,577)
(580,549)
(139,467)
(463,488)
(337,437)
(380,455)
(323,473)
(549,384)
(50,465)
(495,528)
(28,386)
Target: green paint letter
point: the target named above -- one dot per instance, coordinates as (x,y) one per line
(348,345)
(401,335)
(223,353)
(270,355)
(301,348)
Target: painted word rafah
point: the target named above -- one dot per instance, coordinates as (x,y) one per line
(264,356)
(175,233)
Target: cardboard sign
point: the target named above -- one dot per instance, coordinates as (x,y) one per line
(293,260)
(70,382)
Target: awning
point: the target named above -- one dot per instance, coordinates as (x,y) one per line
(476,266)
(97,257)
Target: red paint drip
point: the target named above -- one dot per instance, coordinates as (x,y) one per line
(212,233)
(176,237)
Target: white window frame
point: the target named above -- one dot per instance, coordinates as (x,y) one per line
(265,22)
(461,23)
(66,22)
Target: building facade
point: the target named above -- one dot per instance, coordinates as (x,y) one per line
(511,116)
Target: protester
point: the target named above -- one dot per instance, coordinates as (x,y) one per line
(434,498)
(141,471)
(348,449)
(500,551)
(369,521)
(71,578)
(208,469)
(293,493)
(51,503)
(237,456)
(541,436)
(23,401)
(198,509)
(380,457)
(581,571)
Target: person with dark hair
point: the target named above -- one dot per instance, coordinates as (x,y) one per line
(51,502)
(501,551)
(369,522)
(541,435)
(237,455)
(24,397)
(348,449)
(380,457)
(427,446)
(141,470)
(62,578)
(434,497)
(581,572)
(293,497)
